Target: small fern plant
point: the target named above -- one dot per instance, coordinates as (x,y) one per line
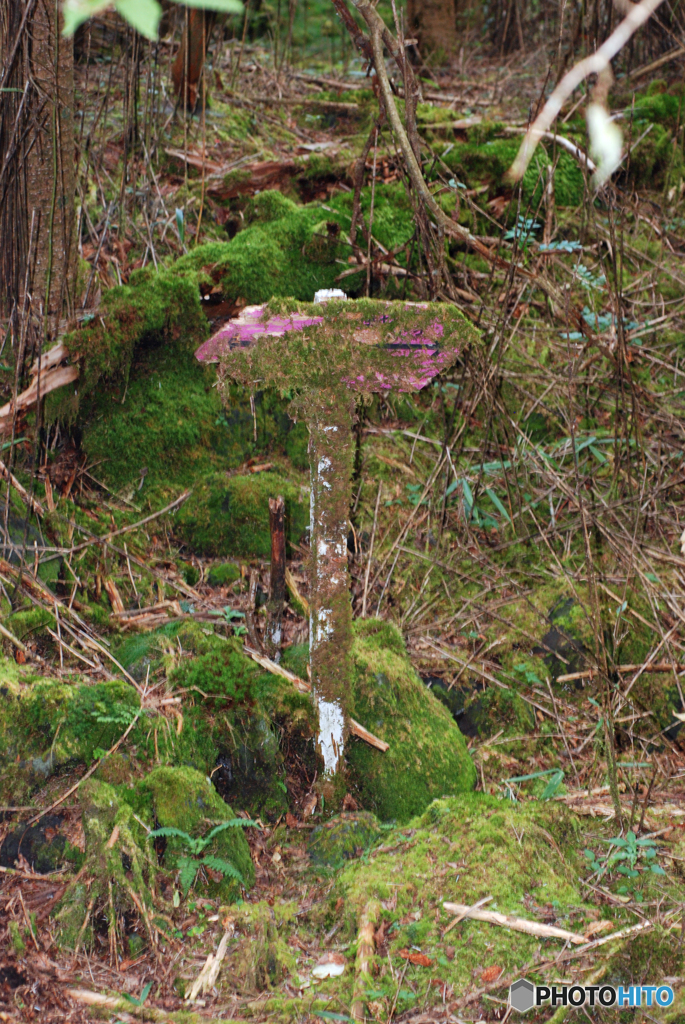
(189,864)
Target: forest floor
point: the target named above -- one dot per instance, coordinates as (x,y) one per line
(519,522)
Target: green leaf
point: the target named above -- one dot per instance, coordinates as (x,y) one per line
(656,870)
(553,785)
(329,1015)
(181,228)
(224,6)
(75,12)
(468,497)
(142,15)
(497,503)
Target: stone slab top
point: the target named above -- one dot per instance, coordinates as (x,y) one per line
(365,345)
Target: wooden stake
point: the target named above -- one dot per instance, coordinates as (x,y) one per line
(366,948)
(277,584)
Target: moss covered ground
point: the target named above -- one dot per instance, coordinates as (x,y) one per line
(515,571)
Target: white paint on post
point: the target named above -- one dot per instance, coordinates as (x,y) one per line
(321,625)
(331,726)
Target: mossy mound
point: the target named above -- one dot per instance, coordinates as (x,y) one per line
(487,161)
(183,799)
(263,957)
(342,838)
(287,250)
(524,858)
(47,724)
(121,867)
(231,516)
(223,574)
(154,308)
(427,756)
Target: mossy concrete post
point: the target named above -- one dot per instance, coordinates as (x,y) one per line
(323,357)
(330,621)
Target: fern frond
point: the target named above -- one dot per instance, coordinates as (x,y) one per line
(224,866)
(188,869)
(233,823)
(172,832)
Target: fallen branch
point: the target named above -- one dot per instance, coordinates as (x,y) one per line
(518,924)
(363,734)
(30,502)
(467,913)
(575,151)
(662,666)
(304,687)
(117,1005)
(50,375)
(594,64)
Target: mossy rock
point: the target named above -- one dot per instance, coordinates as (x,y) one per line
(47,724)
(525,858)
(182,798)
(427,756)
(42,845)
(224,574)
(231,516)
(343,838)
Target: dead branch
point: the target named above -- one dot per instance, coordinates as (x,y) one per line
(594,64)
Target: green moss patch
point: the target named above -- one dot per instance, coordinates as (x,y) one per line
(427,756)
(231,516)
(342,838)
(183,799)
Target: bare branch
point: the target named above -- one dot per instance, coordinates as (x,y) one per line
(592,65)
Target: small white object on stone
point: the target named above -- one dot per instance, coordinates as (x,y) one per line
(326,294)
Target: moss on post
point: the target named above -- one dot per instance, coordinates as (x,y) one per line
(321,356)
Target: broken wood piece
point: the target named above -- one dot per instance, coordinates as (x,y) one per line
(268,174)
(366,947)
(469,910)
(518,924)
(363,734)
(49,380)
(114,596)
(304,687)
(300,603)
(30,502)
(207,977)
